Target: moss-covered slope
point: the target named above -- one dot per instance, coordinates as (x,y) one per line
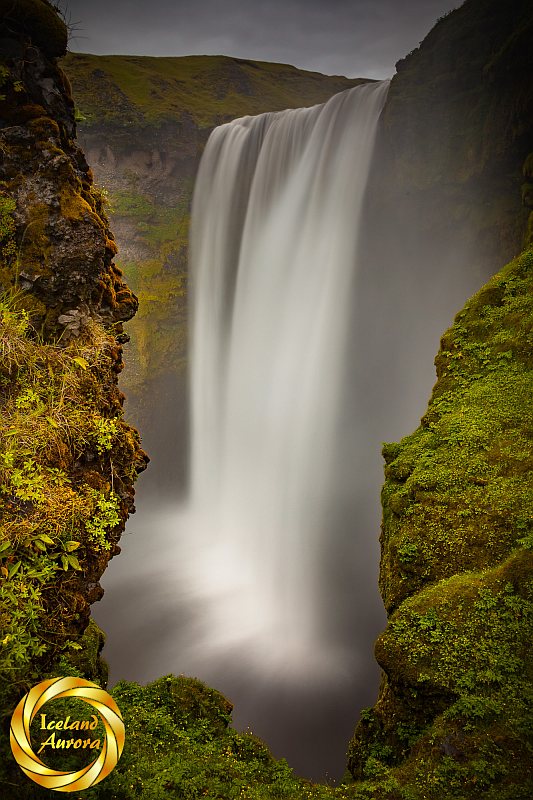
(453,717)
(202,90)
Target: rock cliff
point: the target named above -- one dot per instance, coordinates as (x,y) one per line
(68,460)
(456,129)
(453,717)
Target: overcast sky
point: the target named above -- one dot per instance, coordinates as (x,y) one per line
(346,37)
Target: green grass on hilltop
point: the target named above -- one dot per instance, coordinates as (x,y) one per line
(209,89)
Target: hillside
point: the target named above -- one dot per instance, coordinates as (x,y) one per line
(204,90)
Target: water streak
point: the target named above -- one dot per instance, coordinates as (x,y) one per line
(275,229)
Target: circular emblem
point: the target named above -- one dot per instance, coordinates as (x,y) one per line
(108,755)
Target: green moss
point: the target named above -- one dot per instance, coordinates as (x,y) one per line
(457,491)
(131,204)
(159,280)
(39,20)
(180,744)
(56,516)
(206,89)
(453,718)
(83,656)
(8,248)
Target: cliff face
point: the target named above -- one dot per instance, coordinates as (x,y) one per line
(64,246)
(453,709)
(456,129)
(67,458)
(453,714)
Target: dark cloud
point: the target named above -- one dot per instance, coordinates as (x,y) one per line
(349,37)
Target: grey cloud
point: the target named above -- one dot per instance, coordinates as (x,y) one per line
(350,37)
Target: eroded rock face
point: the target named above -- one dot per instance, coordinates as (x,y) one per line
(64,260)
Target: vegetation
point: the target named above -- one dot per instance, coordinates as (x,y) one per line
(58,514)
(206,90)
(159,278)
(459,492)
(180,745)
(454,717)
(67,458)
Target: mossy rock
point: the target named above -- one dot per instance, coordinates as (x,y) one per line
(38,20)
(453,717)
(457,490)
(87,659)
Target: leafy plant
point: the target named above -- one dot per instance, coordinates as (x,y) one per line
(104,518)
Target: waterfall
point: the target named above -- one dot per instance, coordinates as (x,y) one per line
(274,258)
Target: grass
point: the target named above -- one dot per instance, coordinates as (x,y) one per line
(59,509)
(206,89)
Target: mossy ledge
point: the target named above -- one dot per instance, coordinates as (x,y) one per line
(453,718)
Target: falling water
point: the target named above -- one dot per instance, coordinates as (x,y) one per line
(275,228)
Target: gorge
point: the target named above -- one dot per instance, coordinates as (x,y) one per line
(434,211)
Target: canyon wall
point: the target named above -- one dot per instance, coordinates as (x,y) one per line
(452,717)
(68,460)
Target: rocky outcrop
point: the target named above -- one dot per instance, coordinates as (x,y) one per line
(456,567)
(68,460)
(64,259)
(456,129)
